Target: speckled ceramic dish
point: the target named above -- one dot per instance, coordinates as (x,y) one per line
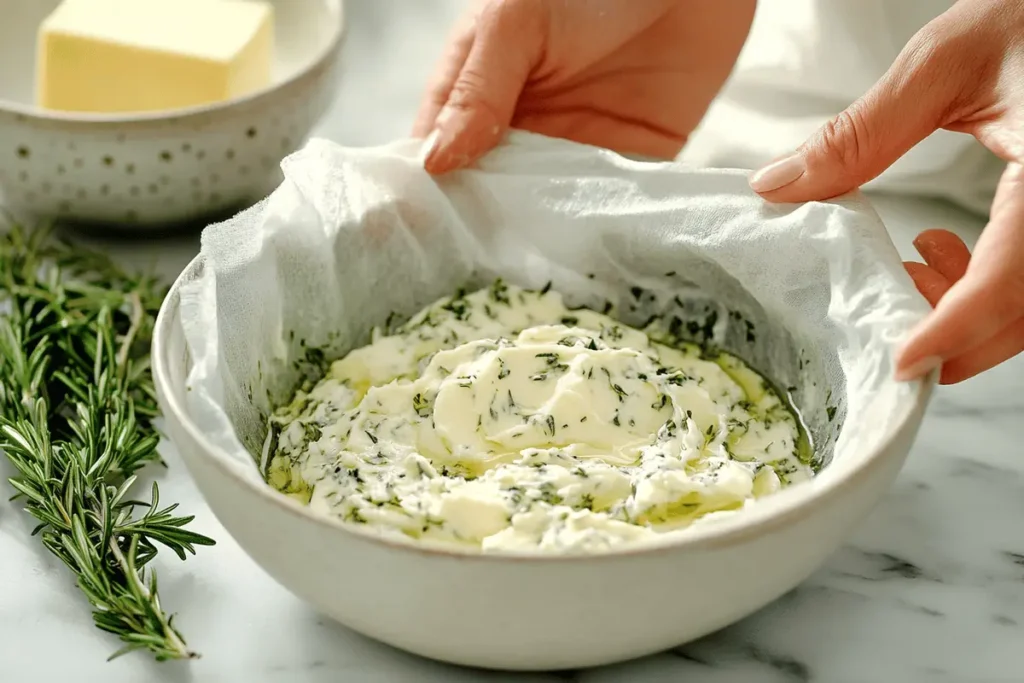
(164,168)
(530,611)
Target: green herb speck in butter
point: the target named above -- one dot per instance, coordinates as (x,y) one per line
(504,420)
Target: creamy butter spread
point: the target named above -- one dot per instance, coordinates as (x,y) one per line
(505,420)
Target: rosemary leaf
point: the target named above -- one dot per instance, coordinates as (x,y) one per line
(77,405)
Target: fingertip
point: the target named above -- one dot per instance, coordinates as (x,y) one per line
(445,156)
(777,174)
(908,371)
(914,268)
(923,350)
(934,236)
(440,160)
(808,186)
(943,251)
(952,374)
(955,327)
(441,151)
(931,284)
(428,147)
(461,138)
(943,240)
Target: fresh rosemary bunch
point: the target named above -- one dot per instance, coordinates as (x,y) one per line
(77,405)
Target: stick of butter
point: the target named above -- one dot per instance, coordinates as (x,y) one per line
(152,55)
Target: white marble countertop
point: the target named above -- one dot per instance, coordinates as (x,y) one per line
(930,588)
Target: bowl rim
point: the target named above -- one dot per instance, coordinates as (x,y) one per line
(187,114)
(781,509)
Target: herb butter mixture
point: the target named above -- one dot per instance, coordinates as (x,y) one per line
(504,420)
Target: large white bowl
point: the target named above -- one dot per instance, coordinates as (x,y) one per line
(536,612)
(165,167)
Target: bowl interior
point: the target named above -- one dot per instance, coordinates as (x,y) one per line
(173,363)
(305,30)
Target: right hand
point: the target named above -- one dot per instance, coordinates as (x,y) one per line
(634,76)
(961,72)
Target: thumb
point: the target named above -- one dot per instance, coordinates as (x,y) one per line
(912,100)
(483,97)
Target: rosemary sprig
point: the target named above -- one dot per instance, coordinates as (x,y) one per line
(77,405)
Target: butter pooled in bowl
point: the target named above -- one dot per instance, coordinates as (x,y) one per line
(504,420)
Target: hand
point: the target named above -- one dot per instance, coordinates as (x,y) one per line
(963,72)
(632,76)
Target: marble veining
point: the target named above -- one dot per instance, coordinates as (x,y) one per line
(929,588)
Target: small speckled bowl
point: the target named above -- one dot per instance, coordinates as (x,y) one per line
(159,169)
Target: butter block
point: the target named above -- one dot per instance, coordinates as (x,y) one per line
(111,56)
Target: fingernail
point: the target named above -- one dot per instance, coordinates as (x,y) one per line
(920,244)
(919,369)
(778,174)
(429,146)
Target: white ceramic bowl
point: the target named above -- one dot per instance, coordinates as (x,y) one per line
(166,167)
(536,612)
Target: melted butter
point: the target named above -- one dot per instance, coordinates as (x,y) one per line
(504,420)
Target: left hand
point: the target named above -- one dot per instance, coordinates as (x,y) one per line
(634,77)
(962,72)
